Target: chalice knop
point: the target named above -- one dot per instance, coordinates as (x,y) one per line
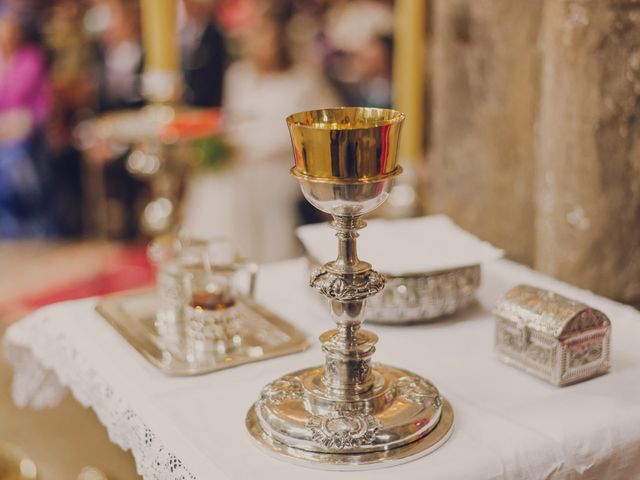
(348,413)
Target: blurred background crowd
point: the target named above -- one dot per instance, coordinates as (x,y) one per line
(66,62)
(505,102)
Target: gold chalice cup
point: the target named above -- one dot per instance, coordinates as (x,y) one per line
(345,145)
(348,413)
(345,157)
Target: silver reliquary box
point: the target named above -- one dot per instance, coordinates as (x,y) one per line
(553,337)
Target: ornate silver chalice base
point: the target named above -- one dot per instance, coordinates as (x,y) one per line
(348,413)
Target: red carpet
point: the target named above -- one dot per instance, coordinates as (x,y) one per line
(129,269)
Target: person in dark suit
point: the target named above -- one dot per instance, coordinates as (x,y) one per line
(119,60)
(203,55)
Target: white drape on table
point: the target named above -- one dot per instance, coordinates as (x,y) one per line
(509,425)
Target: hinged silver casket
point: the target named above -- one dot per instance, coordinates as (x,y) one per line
(558,339)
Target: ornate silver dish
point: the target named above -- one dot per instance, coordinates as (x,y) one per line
(264,335)
(421,297)
(425,296)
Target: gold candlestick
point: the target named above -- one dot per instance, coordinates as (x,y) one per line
(408,74)
(408,97)
(162,78)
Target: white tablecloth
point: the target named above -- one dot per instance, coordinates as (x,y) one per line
(509,425)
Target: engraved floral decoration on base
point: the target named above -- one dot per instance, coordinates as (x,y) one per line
(419,390)
(344,430)
(282,390)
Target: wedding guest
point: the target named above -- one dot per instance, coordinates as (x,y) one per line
(359,50)
(373,64)
(203,54)
(260,91)
(118,71)
(24,105)
(120,58)
(71,51)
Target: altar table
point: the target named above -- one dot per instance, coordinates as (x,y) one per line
(508,424)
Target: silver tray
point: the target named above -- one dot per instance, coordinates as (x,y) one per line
(264,335)
(422,297)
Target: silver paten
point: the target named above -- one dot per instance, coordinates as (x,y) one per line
(261,335)
(558,339)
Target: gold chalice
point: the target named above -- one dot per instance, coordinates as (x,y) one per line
(348,413)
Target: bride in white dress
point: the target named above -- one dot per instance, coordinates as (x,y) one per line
(260,91)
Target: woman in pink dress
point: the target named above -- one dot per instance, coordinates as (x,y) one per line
(24,105)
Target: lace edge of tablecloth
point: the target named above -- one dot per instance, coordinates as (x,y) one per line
(45,365)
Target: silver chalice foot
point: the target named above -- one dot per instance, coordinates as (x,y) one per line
(348,413)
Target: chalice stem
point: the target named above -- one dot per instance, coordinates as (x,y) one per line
(347,282)
(348,351)
(347,232)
